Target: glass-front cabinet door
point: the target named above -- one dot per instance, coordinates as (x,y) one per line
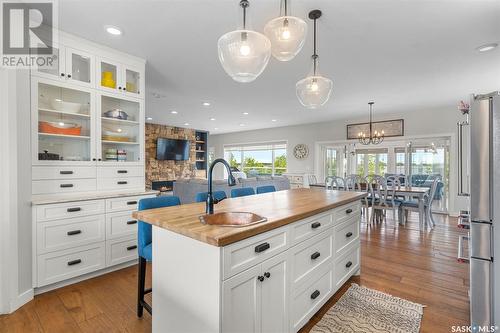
(80,67)
(109,75)
(133,81)
(121,129)
(63,123)
(56,70)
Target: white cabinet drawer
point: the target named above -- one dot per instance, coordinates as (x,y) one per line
(306,301)
(347,233)
(121,250)
(62,186)
(61,172)
(120,224)
(292,185)
(64,234)
(346,265)
(297,179)
(120,172)
(310,227)
(244,254)
(120,183)
(346,211)
(124,203)
(69,210)
(309,256)
(61,265)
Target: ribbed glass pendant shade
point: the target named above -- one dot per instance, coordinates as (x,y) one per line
(244,54)
(287,35)
(314,91)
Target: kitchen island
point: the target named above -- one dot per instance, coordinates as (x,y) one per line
(267,277)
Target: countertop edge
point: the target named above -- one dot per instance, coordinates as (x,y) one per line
(40,199)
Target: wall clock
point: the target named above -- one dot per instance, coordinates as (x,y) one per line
(300,151)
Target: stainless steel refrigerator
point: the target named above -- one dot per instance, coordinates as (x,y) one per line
(485,210)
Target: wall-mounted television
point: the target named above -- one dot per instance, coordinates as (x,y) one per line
(172,149)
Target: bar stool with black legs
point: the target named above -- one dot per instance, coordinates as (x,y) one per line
(144,239)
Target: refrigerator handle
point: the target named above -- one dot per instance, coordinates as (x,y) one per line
(461,192)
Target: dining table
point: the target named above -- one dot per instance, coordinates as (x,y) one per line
(416,192)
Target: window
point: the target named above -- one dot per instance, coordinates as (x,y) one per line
(371,162)
(258,159)
(400,157)
(331,162)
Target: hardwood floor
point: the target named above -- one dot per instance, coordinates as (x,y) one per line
(401,261)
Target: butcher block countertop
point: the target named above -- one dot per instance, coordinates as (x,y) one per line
(280,208)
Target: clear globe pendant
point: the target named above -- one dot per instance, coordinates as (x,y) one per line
(287,35)
(314,91)
(244,54)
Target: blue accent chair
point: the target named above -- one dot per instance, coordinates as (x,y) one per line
(266,189)
(218,195)
(242,192)
(144,240)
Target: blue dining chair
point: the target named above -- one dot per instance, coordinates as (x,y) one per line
(144,243)
(266,189)
(218,195)
(242,192)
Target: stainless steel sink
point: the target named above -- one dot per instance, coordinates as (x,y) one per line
(232,219)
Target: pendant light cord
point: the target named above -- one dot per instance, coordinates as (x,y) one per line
(315,55)
(244,4)
(286,8)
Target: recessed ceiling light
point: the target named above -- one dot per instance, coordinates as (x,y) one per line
(245,113)
(149,118)
(206,103)
(242,124)
(173,112)
(212,118)
(273,120)
(186,124)
(115,31)
(216,128)
(487,47)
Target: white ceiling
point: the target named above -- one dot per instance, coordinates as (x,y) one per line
(406,55)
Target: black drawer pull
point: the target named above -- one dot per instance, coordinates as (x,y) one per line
(267,275)
(132,222)
(262,247)
(260,278)
(348,211)
(122,171)
(74,209)
(122,182)
(66,185)
(74,262)
(132,247)
(349,264)
(315,225)
(132,202)
(315,294)
(74,232)
(349,234)
(315,255)
(66,172)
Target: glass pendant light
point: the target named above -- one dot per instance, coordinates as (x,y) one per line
(315,90)
(287,35)
(244,54)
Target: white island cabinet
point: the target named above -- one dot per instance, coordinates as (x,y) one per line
(274,281)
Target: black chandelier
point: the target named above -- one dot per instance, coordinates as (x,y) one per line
(373,137)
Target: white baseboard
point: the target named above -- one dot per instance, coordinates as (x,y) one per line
(21,299)
(80,278)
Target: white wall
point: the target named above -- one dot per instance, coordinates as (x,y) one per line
(437,122)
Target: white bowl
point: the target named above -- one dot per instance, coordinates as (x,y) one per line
(60,105)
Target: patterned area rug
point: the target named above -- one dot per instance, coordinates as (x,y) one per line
(366,310)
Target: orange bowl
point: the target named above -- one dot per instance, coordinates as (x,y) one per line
(55,128)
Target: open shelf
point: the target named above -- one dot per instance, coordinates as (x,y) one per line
(120,121)
(50,135)
(199,151)
(199,141)
(66,113)
(119,142)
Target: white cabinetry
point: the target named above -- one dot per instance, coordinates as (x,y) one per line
(272,282)
(297,180)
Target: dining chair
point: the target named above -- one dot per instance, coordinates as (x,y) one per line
(202,196)
(383,199)
(429,197)
(353,183)
(242,192)
(144,243)
(266,189)
(335,183)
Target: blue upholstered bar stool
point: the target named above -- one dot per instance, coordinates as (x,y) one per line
(242,192)
(218,195)
(144,239)
(266,189)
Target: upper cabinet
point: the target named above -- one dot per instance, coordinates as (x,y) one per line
(120,78)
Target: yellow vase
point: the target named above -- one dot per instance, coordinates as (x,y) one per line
(107,80)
